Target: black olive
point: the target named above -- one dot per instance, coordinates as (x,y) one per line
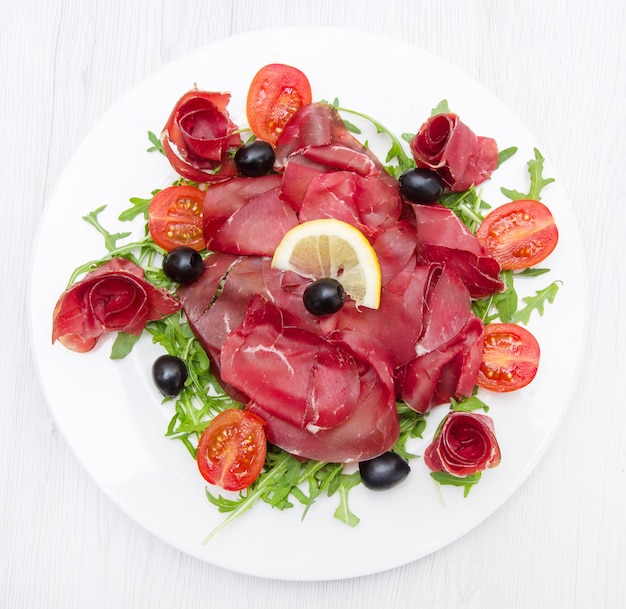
(421,185)
(324,296)
(255,159)
(183,264)
(384,471)
(169,374)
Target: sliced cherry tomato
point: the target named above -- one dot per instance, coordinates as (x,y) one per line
(175,217)
(232,449)
(277,91)
(519,234)
(510,358)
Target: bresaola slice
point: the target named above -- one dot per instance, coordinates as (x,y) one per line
(245,216)
(294,374)
(466,444)
(115,297)
(198,135)
(317,136)
(449,147)
(369,430)
(443,238)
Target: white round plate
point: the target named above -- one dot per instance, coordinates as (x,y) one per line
(112,416)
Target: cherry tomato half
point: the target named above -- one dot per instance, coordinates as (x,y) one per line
(276,93)
(232,449)
(510,358)
(519,234)
(175,218)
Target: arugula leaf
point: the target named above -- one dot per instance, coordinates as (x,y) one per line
(412,425)
(110,239)
(466,481)
(141,252)
(441,108)
(264,485)
(140,207)
(536,302)
(467,205)
(156,144)
(343,512)
(506,301)
(404,161)
(469,404)
(533,272)
(537,181)
(505,155)
(123,345)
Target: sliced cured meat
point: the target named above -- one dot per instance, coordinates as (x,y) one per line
(395,249)
(291,373)
(446,310)
(370,204)
(466,444)
(246,216)
(449,147)
(396,325)
(369,431)
(215,304)
(113,298)
(317,136)
(443,238)
(447,372)
(198,135)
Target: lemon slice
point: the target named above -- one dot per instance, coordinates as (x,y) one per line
(329,248)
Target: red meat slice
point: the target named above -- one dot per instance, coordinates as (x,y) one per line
(369,431)
(449,147)
(466,444)
(443,238)
(246,216)
(447,372)
(370,204)
(317,136)
(291,373)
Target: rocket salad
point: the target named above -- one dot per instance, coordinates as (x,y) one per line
(173,218)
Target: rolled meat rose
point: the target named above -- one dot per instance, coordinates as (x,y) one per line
(198,135)
(465,444)
(113,298)
(450,148)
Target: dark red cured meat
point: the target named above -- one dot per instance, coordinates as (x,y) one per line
(395,249)
(318,382)
(369,431)
(316,135)
(447,308)
(443,238)
(449,147)
(113,298)
(447,372)
(198,135)
(370,204)
(212,316)
(396,325)
(466,444)
(246,216)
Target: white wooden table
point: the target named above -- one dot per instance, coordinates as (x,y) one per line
(559,542)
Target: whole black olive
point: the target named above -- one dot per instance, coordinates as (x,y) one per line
(324,296)
(255,159)
(169,374)
(183,264)
(421,185)
(384,472)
